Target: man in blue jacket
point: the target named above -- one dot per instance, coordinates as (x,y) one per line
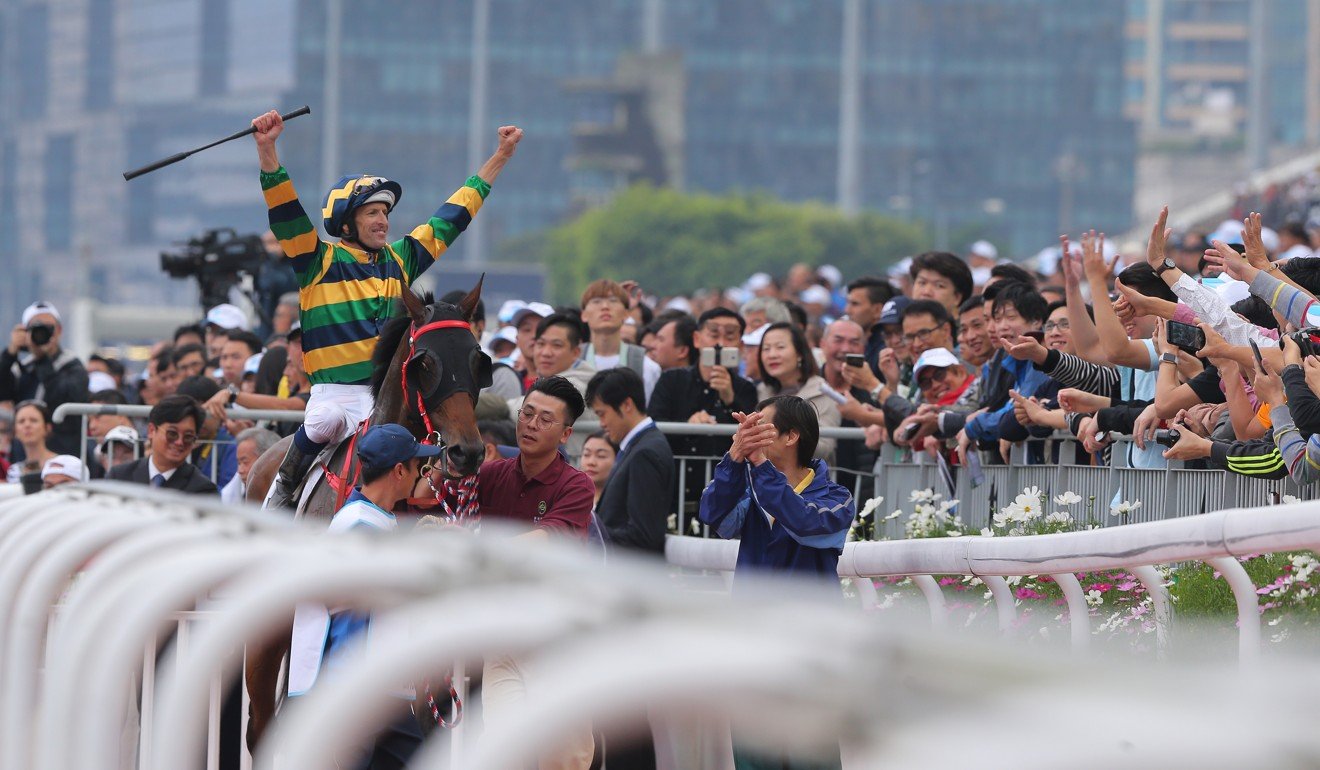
(771,493)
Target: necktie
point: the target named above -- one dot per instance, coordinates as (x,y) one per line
(158,480)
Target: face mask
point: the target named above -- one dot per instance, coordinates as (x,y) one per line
(41,333)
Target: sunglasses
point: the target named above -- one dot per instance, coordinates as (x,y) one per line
(174,437)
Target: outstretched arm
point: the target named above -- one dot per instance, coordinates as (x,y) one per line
(509,138)
(1118,349)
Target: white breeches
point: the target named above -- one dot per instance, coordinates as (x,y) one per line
(334,411)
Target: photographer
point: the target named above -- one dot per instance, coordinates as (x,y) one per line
(34,366)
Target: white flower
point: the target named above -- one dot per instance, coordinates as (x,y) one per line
(672,523)
(1289,500)
(1067,498)
(1032,491)
(893,515)
(1124,508)
(1058,517)
(870,507)
(987,532)
(922,496)
(695,526)
(1094,598)
(1027,505)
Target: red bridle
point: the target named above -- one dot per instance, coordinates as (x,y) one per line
(414,334)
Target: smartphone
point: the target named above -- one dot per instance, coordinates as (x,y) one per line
(1255,353)
(1238,247)
(1185,336)
(974,468)
(1035,334)
(726,357)
(855,359)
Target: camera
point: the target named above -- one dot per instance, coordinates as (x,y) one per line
(1308,341)
(1167,437)
(218,259)
(40,334)
(856,360)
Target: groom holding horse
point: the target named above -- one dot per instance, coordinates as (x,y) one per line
(347,288)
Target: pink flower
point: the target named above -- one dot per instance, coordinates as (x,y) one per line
(1027,593)
(1128,586)
(948,581)
(1101,587)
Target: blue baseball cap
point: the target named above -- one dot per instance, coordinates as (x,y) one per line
(385,446)
(892,311)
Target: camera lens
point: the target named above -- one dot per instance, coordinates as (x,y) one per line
(40,333)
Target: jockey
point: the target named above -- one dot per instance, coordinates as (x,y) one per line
(347,288)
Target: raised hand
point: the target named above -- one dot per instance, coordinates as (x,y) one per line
(1071,266)
(1256,254)
(268,128)
(1226,258)
(509,138)
(1159,237)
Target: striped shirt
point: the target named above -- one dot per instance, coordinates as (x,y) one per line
(346,294)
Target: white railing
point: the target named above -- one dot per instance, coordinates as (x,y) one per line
(1215,538)
(91,576)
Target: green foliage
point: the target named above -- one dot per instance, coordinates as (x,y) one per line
(675,242)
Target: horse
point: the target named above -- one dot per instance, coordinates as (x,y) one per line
(445,368)
(427,372)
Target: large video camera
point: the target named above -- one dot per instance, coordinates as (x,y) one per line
(219,259)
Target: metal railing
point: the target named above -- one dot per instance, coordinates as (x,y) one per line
(1165,493)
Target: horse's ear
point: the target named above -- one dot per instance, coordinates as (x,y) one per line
(413,304)
(468,305)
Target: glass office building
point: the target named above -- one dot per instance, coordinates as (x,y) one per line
(997,118)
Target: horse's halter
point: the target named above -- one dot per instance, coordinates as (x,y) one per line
(433,436)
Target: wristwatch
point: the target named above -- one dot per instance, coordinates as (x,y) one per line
(1168,358)
(1168,265)
(233,393)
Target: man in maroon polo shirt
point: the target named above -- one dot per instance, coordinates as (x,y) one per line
(538,488)
(541,491)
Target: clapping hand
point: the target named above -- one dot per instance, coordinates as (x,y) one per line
(751,438)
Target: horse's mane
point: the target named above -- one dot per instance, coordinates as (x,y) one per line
(391,334)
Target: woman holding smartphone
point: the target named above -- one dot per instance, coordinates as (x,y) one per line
(32,428)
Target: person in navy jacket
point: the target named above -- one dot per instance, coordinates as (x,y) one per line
(770,492)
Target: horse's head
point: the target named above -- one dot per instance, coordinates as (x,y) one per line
(443,369)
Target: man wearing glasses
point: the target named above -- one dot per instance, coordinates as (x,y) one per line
(538,490)
(172,429)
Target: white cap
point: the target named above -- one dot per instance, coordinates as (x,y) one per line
(757,281)
(937,358)
(753,338)
(227,316)
(984,249)
(980,275)
(816,295)
(832,274)
(505,334)
(40,307)
(98,381)
(1229,231)
(65,465)
(254,361)
(119,433)
(901,267)
(679,303)
(508,309)
(538,309)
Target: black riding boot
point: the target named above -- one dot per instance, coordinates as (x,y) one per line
(292,470)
